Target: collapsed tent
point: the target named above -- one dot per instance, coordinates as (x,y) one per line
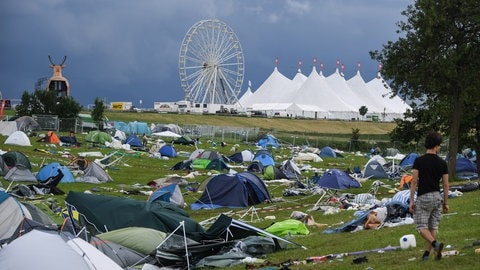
(232,190)
(94,173)
(168,192)
(329,152)
(102,212)
(337,179)
(99,137)
(3,167)
(243,156)
(268,141)
(271,172)
(207,164)
(184,140)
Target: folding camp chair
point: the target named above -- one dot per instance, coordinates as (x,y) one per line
(376,185)
(106,163)
(327,195)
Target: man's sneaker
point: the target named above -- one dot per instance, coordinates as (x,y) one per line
(438,247)
(425,258)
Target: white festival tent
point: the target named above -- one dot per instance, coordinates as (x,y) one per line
(272,90)
(317,96)
(316,91)
(356,99)
(382,89)
(243,100)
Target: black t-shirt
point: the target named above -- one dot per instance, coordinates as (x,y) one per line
(430,170)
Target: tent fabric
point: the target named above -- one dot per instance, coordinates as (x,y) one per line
(407,162)
(167,133)
(13,158)
(20,173)
(271,172)
(268,141)
(7,127)
(232,190)
(56,253)
(3,167)
(18,138)
(99,137)
(121,255)
(27,124)
(94,173)
(290,169)
(264,157)
(207,164)
(374,170)
(168,151)
(465,168)
(134,141)
(12,213)
(168,193)
(256,167)
(288,227)
(52,138)
(231,229)
(327,151)
(102,212)
(184,140)
(243,156)
(337,179)
(51,170)
(139,239)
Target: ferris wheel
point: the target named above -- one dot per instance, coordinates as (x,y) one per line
(211,63)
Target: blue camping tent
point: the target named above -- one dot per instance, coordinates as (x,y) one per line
(465,168)
(168,151)
(51,170)
(268,140)
(337,179)
(169,192)
(327,151)
(232,190)
(133,141)
(407,162)
(264,157)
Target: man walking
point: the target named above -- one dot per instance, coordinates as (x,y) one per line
(428,171)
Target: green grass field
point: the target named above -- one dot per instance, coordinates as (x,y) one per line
(459,229)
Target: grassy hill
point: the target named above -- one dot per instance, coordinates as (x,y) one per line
(280,124)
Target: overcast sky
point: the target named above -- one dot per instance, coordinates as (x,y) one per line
(125,50)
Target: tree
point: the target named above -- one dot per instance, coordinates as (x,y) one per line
(436,63)
(98,112)
(355,138)
(363,111)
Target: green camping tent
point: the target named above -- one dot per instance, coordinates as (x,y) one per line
(97,136)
